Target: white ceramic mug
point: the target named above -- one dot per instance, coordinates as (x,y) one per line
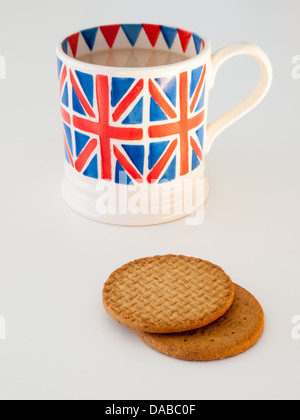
(139,134)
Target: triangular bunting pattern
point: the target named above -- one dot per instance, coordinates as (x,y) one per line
(73,42)
(198,43)
(110,33)
(89,36)
(152,32)
(169,34)
(185,38)
(132,32)
(64,46)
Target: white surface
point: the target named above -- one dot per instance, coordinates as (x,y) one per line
(60,342)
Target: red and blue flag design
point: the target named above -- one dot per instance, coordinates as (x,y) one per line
(177,108)
(105,124)
(103,119)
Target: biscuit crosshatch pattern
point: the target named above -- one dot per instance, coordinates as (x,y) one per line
(151,130)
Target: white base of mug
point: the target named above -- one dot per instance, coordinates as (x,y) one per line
(168,202)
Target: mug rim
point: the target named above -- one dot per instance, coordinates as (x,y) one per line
(97,67)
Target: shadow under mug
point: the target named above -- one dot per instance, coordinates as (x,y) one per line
(136,135)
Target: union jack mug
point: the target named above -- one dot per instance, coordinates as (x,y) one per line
(135,125)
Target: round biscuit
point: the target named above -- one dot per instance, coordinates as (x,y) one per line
(168,294)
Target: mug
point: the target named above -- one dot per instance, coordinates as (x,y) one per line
(135,130)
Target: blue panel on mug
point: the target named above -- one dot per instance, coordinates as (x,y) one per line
(156,150)
(201,101)
(65,96)
(77,107)
(87,83)
(120,86)
(81,141)
(121,175)
(169,87)
(59,66)
(136,115)
(195,161)
(196,74)
(92,170)
(156,113)
(68,137)
(136,155)
(170,173)
(67,156)
(200,135)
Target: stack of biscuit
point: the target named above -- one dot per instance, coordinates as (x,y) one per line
(184,307)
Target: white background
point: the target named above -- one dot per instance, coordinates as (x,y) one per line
(60,342)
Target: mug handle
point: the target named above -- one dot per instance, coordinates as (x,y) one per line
(256,96)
